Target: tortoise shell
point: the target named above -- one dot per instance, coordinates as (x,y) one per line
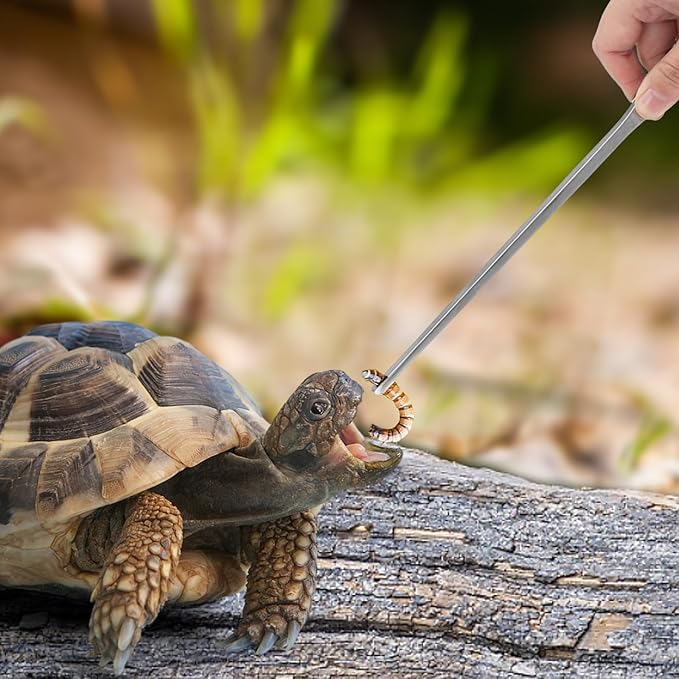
(92,413)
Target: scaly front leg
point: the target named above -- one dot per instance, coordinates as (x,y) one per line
(135,579)
(281,583)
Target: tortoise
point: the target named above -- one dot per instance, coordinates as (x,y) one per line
(137,471)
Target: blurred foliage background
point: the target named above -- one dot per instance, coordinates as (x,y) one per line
(294,185)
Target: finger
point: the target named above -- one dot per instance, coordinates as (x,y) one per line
(655,42)
(614,43)
(659,90)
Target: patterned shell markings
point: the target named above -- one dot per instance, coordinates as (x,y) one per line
(93,413)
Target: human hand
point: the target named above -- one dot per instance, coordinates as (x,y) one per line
(650,26)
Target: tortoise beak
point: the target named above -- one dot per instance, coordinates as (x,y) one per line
(368,459)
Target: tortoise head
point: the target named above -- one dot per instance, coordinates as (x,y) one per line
(314,435)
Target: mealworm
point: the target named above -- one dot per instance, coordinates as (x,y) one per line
(402,402)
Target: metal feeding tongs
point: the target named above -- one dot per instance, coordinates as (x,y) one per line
(582,172)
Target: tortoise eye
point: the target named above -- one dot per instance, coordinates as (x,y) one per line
(317,408)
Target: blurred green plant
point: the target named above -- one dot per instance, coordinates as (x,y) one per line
(266,100)
(416,130)
(177,27)
(529,165)
(651,431)
(26,113)
(653,428)
(244,137)
(300,269)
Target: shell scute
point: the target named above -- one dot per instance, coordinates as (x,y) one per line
(69,481)
(19,359)
(117,336)
(130,462)
(86,392)
(175,374)
(19,471)
(190,434)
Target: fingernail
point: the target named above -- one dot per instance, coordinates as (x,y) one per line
(651,105)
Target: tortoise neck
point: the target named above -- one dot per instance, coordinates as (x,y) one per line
(270,440)
(238,489)
(96,534)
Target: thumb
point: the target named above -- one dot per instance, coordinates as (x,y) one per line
(659,90)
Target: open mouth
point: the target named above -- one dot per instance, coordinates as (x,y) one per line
(353,440)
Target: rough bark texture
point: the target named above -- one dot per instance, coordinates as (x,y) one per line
(440,571)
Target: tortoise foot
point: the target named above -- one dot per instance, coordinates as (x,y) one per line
(281,584)
(134,583)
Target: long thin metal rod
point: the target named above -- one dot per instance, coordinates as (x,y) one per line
(582,172)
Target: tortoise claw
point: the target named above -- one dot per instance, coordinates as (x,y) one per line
(293,632)
(243,641)
(267,642)
(236,643)
(121,659)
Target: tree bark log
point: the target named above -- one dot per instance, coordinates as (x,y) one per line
(439,571)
